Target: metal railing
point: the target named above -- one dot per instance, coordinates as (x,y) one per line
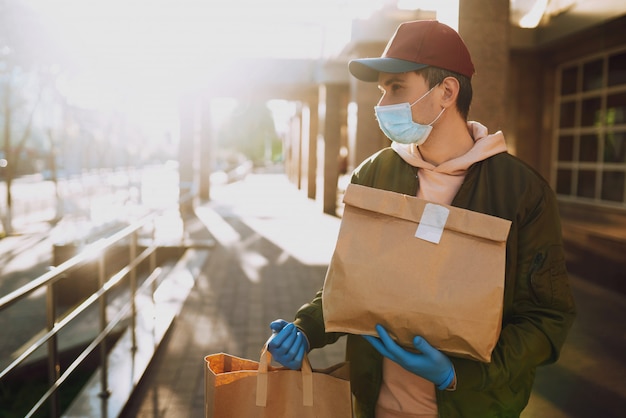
(96,251)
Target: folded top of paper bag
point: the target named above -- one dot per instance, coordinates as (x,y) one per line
(411,208)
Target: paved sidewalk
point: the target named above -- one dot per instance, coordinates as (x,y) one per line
(273,248)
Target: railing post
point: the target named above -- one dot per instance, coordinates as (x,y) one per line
(54,367)
(133,290)
(153,259)
(104,361)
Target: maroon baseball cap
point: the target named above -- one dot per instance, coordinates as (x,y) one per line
(415,45)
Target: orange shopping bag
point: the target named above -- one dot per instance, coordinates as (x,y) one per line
(240,388)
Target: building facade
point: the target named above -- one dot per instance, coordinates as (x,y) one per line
(567,115)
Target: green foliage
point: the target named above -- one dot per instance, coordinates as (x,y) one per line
(250,130)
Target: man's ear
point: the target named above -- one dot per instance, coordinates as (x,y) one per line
(450,91)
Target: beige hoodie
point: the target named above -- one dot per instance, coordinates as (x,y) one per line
(439,184)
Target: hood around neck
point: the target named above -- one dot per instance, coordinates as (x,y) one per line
(485,146)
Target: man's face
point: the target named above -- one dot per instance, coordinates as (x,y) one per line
(407,88)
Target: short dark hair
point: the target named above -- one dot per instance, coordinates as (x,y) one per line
(435,75)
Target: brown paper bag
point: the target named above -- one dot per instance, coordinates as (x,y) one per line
(240,388)
(398,265)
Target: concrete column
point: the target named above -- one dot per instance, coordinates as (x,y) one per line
(206,150)
(365,138)
(484,26)
(364,135)
(313,104)
(332,117)
(293,151)
(297,146)
(305,127)
(186,154)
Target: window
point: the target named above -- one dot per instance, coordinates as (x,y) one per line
(590,130)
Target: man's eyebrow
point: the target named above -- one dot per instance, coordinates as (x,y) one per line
(394,79)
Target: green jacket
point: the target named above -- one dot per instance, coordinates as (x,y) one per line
(538,304)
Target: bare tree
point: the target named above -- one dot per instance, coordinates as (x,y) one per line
(27,54)
(13,150)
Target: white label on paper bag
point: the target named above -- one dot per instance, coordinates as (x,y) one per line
(432,223)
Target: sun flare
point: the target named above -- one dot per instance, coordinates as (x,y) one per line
(137,56)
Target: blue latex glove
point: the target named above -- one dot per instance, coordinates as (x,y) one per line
(287,344)
(429,363)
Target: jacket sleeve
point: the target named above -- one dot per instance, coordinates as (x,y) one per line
(310,319)
(538,307)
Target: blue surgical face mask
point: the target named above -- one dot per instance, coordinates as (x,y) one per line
(396,122)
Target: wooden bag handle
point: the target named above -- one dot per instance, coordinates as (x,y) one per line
(261,380)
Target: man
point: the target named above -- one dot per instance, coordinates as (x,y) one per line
(424,75)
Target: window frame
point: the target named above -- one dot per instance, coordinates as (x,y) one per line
(600,130)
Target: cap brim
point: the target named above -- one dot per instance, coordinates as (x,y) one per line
(367,69)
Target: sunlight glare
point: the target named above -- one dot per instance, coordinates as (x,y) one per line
(137,56)
(532,18)
(134,48)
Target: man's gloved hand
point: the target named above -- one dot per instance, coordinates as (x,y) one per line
(287,344)
(429,363)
